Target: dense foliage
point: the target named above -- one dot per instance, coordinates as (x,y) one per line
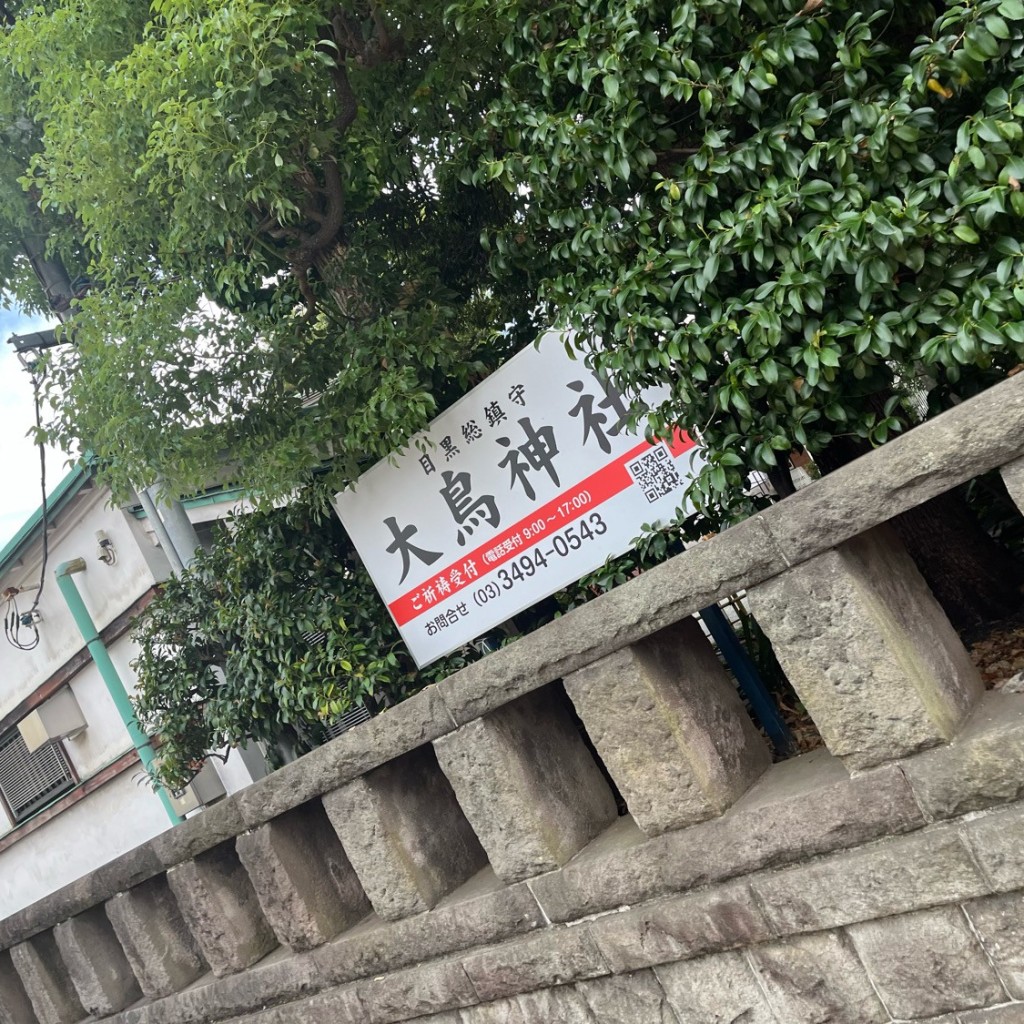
(277,630)
(270,224)
(791,212)
(309,224)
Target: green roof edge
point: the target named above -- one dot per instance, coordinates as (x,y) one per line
(62,494)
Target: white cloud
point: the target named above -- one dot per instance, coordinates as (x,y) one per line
(20,493)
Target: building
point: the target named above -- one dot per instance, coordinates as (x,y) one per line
(81,797)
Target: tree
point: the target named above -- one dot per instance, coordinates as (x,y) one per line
(797,214)
(269,223)
(276,630)
(800,215)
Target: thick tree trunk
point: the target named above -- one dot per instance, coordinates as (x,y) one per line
(974,578)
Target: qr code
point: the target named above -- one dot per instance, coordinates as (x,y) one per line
(655,473)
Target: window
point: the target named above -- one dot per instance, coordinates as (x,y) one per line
(30,781)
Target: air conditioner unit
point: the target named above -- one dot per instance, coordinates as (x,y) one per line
(206,788)
(58,718)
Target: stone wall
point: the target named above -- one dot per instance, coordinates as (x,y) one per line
(462,859)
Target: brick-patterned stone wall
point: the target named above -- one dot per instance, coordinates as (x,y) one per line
(462,859)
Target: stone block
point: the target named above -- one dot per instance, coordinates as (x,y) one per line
(627,999)
(280,978)
(417,992)
(220,908)
(718,989)
(478,919)
(978,435)
(893,877)
(800,809)
(528,785)
(1011,1014)
(813,978)
(555,1006)
(407,726)
(502,1011)
(155,939)
(715,919)
(670,727)
(548,1006)
(983,767)
(405,834)
(870,652)
(339,1006)
(999,923)
(927,963)
(15,1007)
(551,957)
(1013,477)
(97,963)
(46,980)
(302,877)
(219,823)
(997,840)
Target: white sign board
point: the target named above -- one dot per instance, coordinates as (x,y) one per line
(523,486)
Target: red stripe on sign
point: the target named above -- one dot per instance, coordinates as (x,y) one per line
(569,506)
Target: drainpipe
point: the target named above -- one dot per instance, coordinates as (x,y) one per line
(180,532)
(109,674)
(160,530)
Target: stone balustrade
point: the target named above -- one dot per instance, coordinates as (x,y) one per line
(464,859)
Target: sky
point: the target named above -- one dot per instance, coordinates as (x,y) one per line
(20,495)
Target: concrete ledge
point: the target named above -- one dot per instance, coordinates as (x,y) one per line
(800,968)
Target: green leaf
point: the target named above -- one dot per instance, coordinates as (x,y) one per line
(966,234)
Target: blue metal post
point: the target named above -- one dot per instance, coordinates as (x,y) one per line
(748,678)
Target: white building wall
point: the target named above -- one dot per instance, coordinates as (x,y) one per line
(124,812)
(114,819)
(107,590)
(105,737)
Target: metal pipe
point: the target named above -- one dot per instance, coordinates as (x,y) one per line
(179,527)
(160,530)
(108,672)
(749,679)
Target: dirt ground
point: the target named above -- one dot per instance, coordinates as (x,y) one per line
(999,654)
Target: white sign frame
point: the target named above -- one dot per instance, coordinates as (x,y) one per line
(519,489)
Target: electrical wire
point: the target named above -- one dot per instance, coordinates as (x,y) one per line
(37,395)
(15,621)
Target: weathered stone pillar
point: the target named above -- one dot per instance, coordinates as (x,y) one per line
(868,649)
(47,985)
(220,908)
(405,834)
(96,962)
(305,883)
(670,728)
(528,784)
(155,938)
(15,1007)
(1013,477)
